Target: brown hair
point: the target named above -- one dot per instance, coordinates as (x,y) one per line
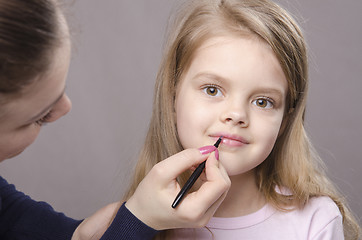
(292,163)
(29,32)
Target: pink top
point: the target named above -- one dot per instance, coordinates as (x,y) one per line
(319,219)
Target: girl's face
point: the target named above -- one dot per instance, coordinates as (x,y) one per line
(44,101)
(234,88)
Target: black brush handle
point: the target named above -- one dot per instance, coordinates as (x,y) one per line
(190,182)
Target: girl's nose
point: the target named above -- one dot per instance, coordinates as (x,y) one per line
(236,114)
(61,108)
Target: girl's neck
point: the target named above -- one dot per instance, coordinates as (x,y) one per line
(243,197)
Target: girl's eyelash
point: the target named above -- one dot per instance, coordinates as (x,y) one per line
(268,99)
(210,86)
(44,119)
(216,87)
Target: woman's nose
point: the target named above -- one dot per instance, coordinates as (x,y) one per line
(236,114)
(61,108)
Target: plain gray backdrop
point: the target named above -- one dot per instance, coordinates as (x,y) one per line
(85,160)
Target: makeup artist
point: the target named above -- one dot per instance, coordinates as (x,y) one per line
(34,57)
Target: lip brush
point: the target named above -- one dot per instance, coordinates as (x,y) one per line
(190,182)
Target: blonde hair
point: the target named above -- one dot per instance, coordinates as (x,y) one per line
(293,163)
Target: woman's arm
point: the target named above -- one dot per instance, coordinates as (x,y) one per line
(23,218)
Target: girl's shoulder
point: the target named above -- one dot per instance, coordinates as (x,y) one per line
(320,216)
(322,206)
(322,202)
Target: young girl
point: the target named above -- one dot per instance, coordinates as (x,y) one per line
(238,69)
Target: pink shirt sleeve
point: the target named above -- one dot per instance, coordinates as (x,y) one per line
(333,231)
(326,222)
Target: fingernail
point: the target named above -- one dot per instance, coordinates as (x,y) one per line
(207,149)
(217,154)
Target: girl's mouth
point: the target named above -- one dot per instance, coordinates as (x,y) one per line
(231,140)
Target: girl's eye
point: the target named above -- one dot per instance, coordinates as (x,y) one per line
(212,91)
(44,119)
(263,103)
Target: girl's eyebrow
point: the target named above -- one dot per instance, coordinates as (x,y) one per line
(39,115)
(209,75)
(268,90)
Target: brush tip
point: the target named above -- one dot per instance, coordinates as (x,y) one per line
(218,142)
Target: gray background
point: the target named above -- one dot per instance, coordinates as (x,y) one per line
(84,161)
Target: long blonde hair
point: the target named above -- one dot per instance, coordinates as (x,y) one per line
(292,163)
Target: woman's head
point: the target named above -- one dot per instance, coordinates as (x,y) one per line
(34,60)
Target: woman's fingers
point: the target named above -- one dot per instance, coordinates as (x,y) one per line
(173,166)
(200,205)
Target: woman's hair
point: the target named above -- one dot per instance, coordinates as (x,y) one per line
(292,164)
(29,32)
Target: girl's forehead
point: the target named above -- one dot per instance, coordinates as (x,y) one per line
(242,48)
(236,58)
(228,38)
(249,39)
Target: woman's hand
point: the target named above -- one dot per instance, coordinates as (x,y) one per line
(151,202)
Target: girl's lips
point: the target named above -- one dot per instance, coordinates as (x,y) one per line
(231,140)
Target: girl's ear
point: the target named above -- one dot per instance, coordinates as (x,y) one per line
(285,121)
